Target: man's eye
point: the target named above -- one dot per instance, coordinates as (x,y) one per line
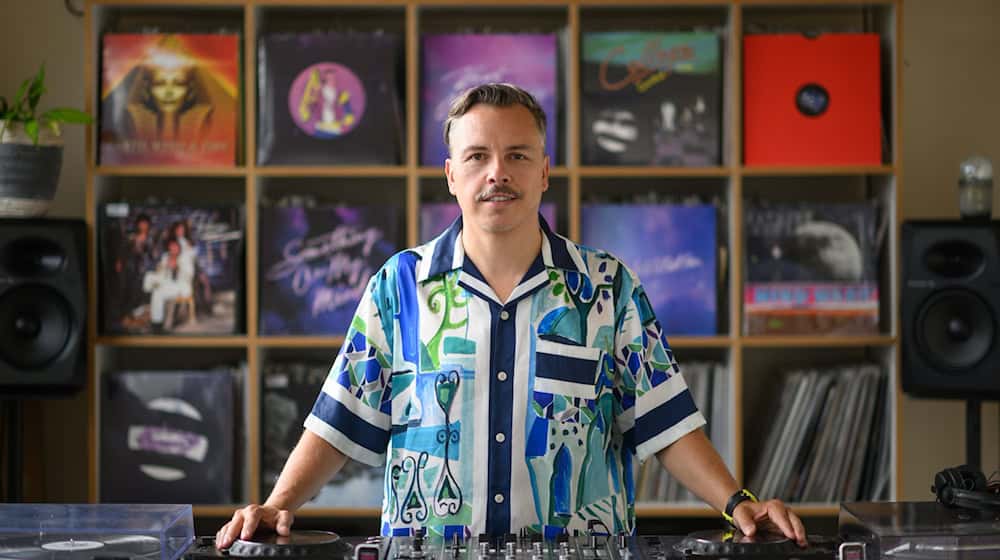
(518,156)
(476,157)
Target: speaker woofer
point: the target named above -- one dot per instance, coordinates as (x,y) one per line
(955,330)
(36,322)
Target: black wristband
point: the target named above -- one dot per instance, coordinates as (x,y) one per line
(736,499)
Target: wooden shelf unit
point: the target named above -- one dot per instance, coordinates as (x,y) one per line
(731,178)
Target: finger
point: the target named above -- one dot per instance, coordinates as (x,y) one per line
(218,537)
(743,519)
(251,520)
(233,528)
(778,515)
(283,525)
(800,530)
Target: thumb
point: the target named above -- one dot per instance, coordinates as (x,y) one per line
(743,519)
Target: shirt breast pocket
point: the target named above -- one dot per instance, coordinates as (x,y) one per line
(565,386)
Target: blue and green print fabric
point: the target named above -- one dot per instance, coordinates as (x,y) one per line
(491,415)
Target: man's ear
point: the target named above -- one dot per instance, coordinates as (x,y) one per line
(545,175)
(448,171)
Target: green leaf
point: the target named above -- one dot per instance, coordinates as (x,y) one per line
(37,88)
(19,98)
(54,127)
(66,115)
(3,107)
(31,129)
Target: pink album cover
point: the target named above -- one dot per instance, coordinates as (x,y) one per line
(169,99)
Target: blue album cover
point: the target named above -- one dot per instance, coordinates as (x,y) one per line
(315,264)
(672,249)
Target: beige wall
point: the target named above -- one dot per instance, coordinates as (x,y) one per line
(950,84)
(951,51)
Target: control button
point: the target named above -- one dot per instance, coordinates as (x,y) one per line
(500,437)
(498,498)
(502,375)
(504,315)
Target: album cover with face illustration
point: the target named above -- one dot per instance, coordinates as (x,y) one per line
(453,63)
(651,98)
(811,268)
(174,269)
(329,99)
(169,99)
(315,264)
(672,248)
(169,436)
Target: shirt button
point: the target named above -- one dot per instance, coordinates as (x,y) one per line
(498,498)
(502,375)
(500,437)
(504,315)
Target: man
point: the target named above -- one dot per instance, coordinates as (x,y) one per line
(507,376)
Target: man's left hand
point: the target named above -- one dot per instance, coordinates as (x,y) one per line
(772,516)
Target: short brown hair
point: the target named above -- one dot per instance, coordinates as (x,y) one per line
(498,95)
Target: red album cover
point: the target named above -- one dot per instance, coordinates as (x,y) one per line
(169,99)
(812,101)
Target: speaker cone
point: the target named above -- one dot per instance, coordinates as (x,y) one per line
(955,330)
(35,326)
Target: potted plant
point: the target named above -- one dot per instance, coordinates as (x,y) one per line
(31,149)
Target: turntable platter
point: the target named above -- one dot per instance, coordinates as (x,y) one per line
(298,543)
(713,543)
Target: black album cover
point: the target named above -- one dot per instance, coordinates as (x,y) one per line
(329,98)
(171,269)
(168,437)
(651,98)
(290,389)
(811,268)
(315,263)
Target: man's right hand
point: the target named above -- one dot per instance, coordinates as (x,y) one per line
(246,521)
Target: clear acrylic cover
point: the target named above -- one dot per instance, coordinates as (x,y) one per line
(919,530)
(154,531)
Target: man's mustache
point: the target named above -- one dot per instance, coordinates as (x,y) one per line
(497,191)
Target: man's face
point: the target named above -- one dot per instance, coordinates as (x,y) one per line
(498,169)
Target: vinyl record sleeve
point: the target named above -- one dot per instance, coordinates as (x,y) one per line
(169,99)
(329,99)
(651,98)
(315,264)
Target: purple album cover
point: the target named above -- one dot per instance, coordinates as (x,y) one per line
(435,217)
(315,264)
(672,249)
(453,63)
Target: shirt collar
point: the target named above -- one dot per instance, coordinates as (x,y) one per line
(446,252)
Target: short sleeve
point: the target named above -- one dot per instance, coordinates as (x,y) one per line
(353,410)
(657,407)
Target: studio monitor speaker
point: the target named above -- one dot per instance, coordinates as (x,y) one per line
(43,306)
(950,306)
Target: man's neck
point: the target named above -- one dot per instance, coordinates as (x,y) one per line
(503,259)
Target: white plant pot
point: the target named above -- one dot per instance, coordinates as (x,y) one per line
(29,174)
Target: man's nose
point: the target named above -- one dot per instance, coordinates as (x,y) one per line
(498,172)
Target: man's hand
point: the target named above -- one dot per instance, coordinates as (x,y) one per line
(771,515)
(245,521)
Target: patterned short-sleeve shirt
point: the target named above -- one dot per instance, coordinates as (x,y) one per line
(491,416)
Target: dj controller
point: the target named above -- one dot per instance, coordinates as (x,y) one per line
(707,545)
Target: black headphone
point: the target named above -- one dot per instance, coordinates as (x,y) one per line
(965,486)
